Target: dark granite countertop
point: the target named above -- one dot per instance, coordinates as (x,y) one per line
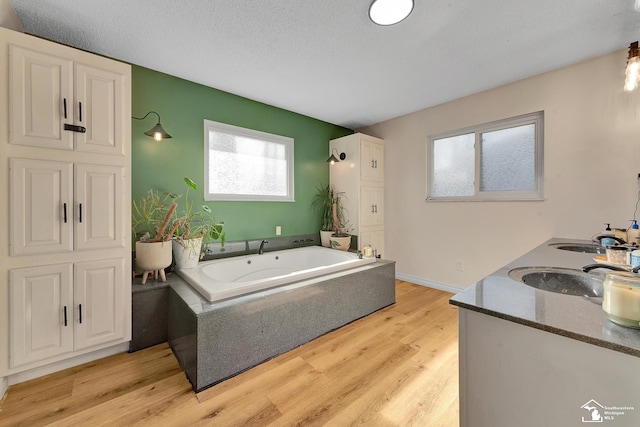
(571,316)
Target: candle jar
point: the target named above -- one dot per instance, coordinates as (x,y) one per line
(621,299)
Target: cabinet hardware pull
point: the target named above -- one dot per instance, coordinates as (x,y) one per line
(65,315)
(372,211)
(80,312)
(375,162)
(372,163)
(64,208)
(74,128)
(80,110)
(376,206)
(64,104)
(80,212)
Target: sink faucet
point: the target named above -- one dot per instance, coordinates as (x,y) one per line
(261,249)
(599,237)
(588,268)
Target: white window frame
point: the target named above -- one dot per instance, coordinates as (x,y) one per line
(250,133)
(537,119)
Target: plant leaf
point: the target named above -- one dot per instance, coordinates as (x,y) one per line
(190,183)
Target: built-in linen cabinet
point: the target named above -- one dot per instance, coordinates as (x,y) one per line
(65,130)
(60,103)
(58,309)
(361,177)
(62,207)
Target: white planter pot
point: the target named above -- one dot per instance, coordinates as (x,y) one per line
(153,257)
(325,238)
(341,243)
(187,252)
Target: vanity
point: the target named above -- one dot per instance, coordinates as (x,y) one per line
(532,357)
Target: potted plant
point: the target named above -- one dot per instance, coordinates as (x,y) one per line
(323,201)
(340,239)
(191,228)
(150,218)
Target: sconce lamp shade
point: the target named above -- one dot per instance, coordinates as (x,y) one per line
(157,132)
(333,159)
(632,72)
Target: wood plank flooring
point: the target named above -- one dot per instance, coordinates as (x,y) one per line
(396,367)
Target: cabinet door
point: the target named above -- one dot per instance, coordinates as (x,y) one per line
(98,108)
(41,206)
(99,302)
(40,86)
(371,206)
(374,238)
(371,161)
(98,208)
(41,317)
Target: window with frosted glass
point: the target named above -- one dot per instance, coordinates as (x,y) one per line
(495,161)
(243,164)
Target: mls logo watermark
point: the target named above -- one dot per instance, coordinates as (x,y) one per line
(597,413)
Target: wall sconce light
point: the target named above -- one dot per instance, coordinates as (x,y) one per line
(389,12)
(333,159)
(632,73)
(157,132)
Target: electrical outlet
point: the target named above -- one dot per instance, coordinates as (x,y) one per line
(278,230)
(459,265)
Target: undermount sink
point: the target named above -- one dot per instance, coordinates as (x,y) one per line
(581,247)
(566,281)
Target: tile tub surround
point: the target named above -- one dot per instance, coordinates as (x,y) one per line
(215,341)
(570,316)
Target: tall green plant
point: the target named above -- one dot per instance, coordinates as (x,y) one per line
(324,200)
(149,213)
(197,223)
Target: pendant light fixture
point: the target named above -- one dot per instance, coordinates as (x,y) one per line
(389,12)
(632,73)
(157,132)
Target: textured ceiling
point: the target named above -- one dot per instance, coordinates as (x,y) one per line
(325,59)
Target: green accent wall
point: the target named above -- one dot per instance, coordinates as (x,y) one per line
(183,106)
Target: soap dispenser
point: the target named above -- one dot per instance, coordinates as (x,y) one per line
(633,233)
(607,241)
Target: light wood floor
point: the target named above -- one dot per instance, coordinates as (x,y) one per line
(396,367)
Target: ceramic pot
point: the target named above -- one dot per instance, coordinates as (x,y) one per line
(325,238)
(187,252)
(341,243)
(153,257)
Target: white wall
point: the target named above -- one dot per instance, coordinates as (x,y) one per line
(592,158)
(8,17)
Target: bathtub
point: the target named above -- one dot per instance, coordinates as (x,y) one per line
(226,278)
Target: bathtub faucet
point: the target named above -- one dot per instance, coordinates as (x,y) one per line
(261,249)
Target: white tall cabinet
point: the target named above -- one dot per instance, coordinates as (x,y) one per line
(65,253)
(361,177)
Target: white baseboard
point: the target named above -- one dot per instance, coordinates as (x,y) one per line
(4,385)
(429,283)
(64,364)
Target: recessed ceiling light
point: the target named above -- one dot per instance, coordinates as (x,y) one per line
(389,12)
